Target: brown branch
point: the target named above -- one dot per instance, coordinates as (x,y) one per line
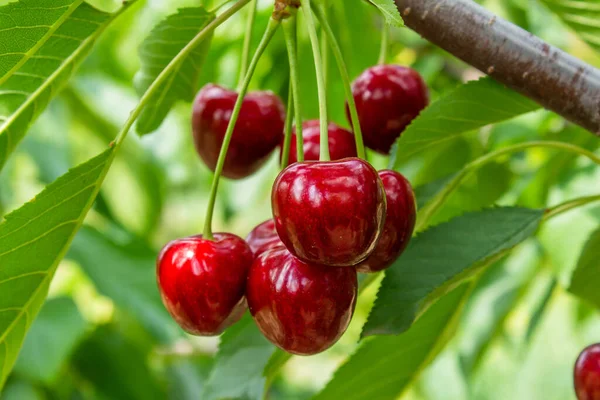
(511,55)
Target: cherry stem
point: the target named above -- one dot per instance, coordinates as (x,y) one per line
(383,52)
(247,42)
(290,33)
(325,53)
(289,121)
(434,205)
(268,35)
(337,52)
(570,205)
(314,41)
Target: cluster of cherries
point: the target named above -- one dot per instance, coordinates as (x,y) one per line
(297,272)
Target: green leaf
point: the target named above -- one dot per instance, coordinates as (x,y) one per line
(580,15)
(33,240)
(238,372)
(458,112)
(442,257)
(52,338)
(41,44)
(586,277)
(158,50)
(384,367)
(390,12)
(125,272)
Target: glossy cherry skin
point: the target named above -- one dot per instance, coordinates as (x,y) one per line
(329,213)
(401,215)
(388,98)
(258,131)
(587,373)
(264,237)
(202,282)
(341,142)
(302,308)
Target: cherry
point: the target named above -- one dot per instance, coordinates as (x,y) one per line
(587,373)
(202,282)
(400,221)
(329,213)
(302,308)
(341,142)
(258,131)
(264,237)
(388,98)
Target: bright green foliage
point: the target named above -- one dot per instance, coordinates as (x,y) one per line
(33,240)
(42,43)
(581,15)
(390,11)
(158,50)
(585,278)
(453,115)
(385,366)
(442,257)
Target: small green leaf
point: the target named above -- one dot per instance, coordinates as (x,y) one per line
(41,44)
(458,112)
(52,338)
(580,15)
(158,50)
(384,367)
(442,257)
(586,278)
(390,12)
(238,372)
(33,240)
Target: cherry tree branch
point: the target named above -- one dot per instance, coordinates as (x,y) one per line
(511,55)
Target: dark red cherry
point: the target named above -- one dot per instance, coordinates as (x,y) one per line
(264,237)
(329,213)
(587,373)
(400,221)
(388,98)
(302,308)
(258,131)
(341,142)
(202,282)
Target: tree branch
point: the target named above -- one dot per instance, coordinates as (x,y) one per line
(511,55)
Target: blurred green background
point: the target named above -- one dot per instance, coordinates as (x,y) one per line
(104,334)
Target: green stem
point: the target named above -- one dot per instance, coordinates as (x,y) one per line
(337,52)
(289,121)
(427,212)
(314,40)
(268,35)
(247,42)
(383,52)
(289,30)
(174,64)
(570,205)
(325,53)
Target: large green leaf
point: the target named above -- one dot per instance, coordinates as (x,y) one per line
(440,258)
(581,15)
(384,367)
(158,50)
(390,11)
(238,372)
(586,278)
(458,112)
(53,336)
(33,240)
(41,44)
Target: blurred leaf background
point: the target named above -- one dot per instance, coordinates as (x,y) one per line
(104,334)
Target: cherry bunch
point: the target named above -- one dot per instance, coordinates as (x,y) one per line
(333,214)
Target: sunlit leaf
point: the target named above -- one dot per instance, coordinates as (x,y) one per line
(390,11)
(586,278)
(581,15)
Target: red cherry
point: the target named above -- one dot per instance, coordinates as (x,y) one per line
(329,213)
(258,131)
(202,282)
(341,142)
(264,237)
(587,373)
(388,98)
(302,308)
(400,221)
